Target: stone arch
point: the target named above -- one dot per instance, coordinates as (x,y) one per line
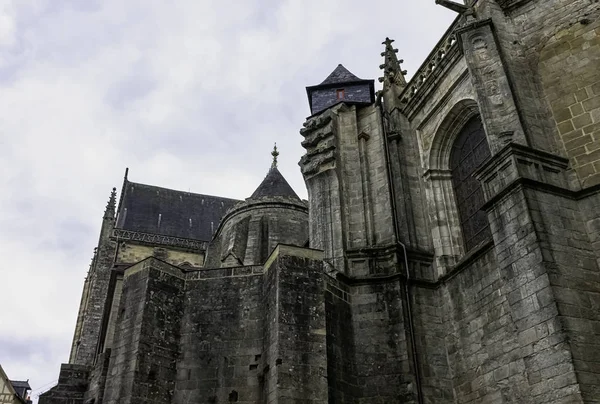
(447,233)
(448,130)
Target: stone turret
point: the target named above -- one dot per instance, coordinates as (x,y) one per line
(250,230)
(345,173)
(340,86)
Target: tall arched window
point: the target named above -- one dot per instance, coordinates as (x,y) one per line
(470,149)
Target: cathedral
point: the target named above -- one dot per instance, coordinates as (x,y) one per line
(448,252)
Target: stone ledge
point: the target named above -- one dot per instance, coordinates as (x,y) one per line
(156,264)
(229,272)
(289,250)
(150,239)
(516,162)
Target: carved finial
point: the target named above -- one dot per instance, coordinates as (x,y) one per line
(392,72)
(274,153)
(111,206)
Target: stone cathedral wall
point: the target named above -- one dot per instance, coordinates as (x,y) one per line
(222,337)
(571,79)
(131,253)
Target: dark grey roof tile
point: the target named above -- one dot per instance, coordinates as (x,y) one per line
(274,184)
(156,210)
(340,75)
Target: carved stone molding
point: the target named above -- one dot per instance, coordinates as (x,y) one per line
(319,142)
(159,239)
(516,162)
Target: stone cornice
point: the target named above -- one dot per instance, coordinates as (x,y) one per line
(159,240)
(518,163)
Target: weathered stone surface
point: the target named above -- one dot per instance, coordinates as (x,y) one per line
(72,385)
(396,307)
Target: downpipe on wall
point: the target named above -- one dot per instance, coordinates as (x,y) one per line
(392,190)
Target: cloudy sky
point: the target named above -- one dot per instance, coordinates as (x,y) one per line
(189,94)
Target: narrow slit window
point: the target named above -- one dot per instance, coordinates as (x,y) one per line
(340,94)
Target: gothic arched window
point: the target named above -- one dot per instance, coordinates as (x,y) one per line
(470,149)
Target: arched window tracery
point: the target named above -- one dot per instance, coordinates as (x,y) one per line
(469,151)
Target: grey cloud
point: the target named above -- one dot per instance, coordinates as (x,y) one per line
(189,95)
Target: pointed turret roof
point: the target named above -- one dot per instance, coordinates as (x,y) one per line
(340,75)
(274,183)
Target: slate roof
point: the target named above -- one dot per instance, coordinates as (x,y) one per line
(274,184)
(21,388)
(340,75)
(20,384)
(150,209)
(320,96)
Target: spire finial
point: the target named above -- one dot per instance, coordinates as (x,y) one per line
(274,153)
(111,206)
(392,72)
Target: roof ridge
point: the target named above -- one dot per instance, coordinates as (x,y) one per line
(177,190)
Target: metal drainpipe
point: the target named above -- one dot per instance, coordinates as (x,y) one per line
(392,191)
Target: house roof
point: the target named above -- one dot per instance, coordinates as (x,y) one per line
(20,384)
(150,209)
(15,386)
(274,184)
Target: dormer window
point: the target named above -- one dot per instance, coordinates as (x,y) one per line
(339,94)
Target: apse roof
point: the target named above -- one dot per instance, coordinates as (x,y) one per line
(274,184)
